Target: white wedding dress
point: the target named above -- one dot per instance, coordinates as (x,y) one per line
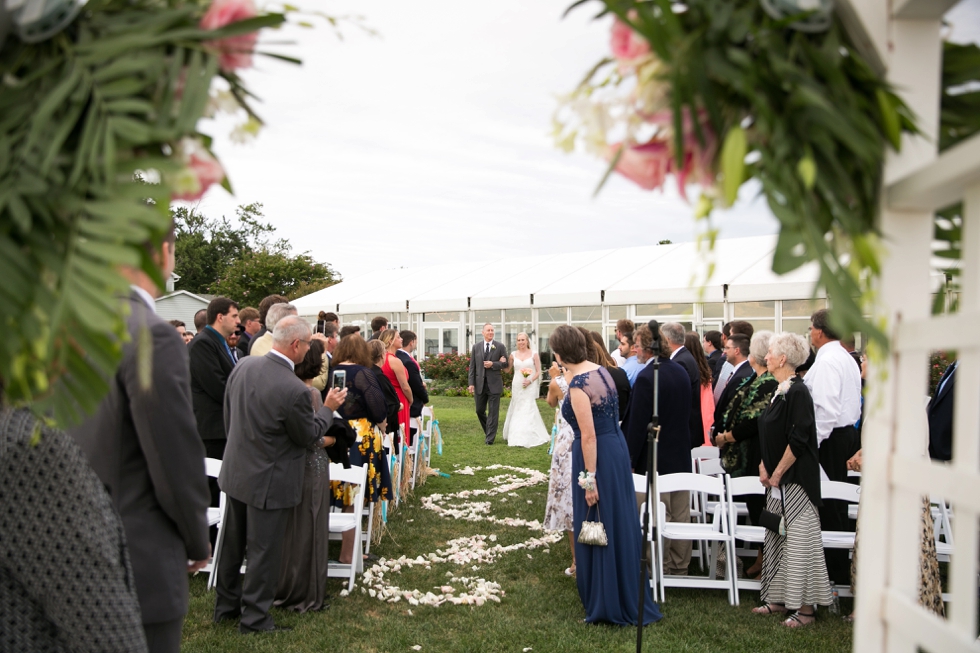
(523,426)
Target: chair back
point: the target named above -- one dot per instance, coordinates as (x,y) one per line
(691,483)
(840,491)
(640,483)
(212,467)
(745,485)
(709,466)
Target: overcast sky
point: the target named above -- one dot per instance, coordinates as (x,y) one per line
(431,142)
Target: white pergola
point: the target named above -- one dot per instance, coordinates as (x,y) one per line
(903,39)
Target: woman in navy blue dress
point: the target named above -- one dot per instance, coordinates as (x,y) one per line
(607,576)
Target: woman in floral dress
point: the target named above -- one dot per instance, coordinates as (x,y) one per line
(558,510)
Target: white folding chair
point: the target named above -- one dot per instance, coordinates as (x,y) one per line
(943,529)
(640,488)
(704,452)
(840,491)
(717,532)
(341,522)
(216,517)
(754,534)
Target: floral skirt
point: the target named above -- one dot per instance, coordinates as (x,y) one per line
(366,450)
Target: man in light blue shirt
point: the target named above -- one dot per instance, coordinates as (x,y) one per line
(635,363)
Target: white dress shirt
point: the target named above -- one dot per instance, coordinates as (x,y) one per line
(834,382)
(674,353)
(618,357)
(146,297)
(292,365)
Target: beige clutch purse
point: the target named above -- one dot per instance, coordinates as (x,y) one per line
(593,533)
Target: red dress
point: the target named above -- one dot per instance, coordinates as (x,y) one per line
(403,414)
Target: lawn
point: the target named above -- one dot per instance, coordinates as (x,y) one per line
(539,609)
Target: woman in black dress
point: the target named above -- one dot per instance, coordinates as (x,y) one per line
(794,573)
(619,377)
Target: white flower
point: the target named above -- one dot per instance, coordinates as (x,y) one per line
(416,648)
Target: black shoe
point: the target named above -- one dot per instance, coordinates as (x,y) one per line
(489,444)
(274,629)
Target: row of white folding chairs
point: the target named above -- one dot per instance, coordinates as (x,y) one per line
(724,529)
(339,522)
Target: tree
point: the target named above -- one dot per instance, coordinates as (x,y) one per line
(242,260)
(665,241)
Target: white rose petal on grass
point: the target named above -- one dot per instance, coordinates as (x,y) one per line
(527,648)
(416,648)
(344,593)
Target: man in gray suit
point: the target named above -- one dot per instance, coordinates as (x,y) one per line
(487,359)
(271,423)
(143,444)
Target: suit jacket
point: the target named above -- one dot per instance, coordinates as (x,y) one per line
(262,345)
(210,367)
(674,450)
(940,413)
(478,375)
(243,344)
(685,359)
(743,372)
(142,442)
(271,425)
(715,362)
(622,389)
(420,395)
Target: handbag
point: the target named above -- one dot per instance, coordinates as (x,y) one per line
(773,522)
(593,533)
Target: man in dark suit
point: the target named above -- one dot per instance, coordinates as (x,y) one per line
(712,347)
(674,333)
(249,317)
(271,424)
(378,325)
(211,362)
(674,450)
(420,395)
(940,412)
(737,353)
(142,442)
(487,358)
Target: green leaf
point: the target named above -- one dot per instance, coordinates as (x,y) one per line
(889,118)
(733,163)
(807,170)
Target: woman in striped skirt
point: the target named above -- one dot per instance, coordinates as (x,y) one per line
(794,573)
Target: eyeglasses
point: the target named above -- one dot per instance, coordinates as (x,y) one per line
(306,342)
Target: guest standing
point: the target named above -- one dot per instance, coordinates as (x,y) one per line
(558,512)
(366,413)
(378,353)
(692,342)
(142,443)
(395,370)
(420,394)
(262,345)
(249,318)
(271,426)
(267,302)
(712,348)
(834,382)
(674,451)
(738,434)
(607,576)
(619,376)
(674,342)
(794,573)
(303,571)
(737,353)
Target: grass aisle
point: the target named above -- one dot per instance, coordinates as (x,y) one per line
(540,609)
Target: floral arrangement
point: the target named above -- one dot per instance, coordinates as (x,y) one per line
(938,362)
(464,552)
(99,134)
(450,373)
(716,92)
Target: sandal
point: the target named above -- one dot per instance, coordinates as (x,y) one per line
(570,571)
(770,608)
(800,619)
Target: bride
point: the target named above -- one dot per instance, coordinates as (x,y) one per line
(523,426)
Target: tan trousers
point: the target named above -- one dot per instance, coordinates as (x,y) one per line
(677,553)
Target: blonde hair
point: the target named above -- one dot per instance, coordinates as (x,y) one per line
(377,350)
(387,336)
(526,337)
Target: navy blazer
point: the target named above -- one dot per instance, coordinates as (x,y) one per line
(685,359)
(940,413)
(210,367)
(674,450)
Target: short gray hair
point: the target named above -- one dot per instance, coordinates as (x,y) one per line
(291,327)
(760,347)
(674,332)
(276,313)
(792,346)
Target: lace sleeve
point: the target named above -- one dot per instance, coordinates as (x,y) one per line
(374,398)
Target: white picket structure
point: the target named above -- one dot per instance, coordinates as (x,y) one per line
(904,38)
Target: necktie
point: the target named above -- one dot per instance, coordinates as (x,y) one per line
(488,351)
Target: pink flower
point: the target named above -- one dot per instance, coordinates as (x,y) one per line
(200,171)
(235,51)
(645,165)
(627,45)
